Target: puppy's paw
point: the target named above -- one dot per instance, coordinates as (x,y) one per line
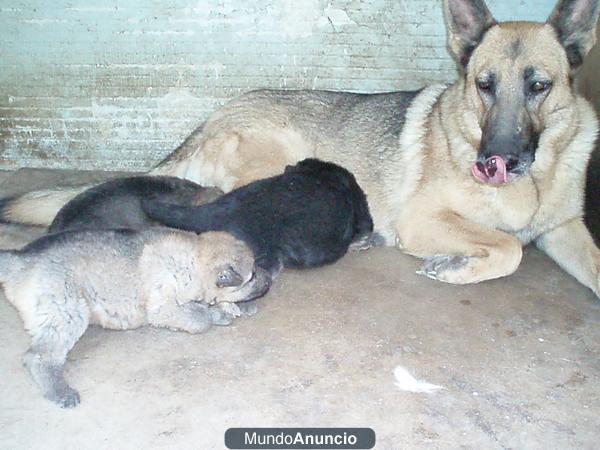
(446,268)
(248,308)
(197,318)
(362,244)
(366,242)
(224,313)
(65,397)
(231,309)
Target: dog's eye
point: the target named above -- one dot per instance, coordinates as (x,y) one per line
(485,85)
(540,86)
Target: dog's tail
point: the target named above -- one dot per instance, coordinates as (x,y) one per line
(37,207)
(40,207)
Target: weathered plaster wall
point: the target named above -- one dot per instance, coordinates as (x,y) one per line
(117,84)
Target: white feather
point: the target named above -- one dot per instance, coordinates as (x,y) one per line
(406,382)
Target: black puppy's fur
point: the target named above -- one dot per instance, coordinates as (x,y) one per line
(118,203)
(592,194)
(306,217)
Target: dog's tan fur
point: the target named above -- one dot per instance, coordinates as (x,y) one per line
(421,193)
(122,279)
(448,213)
(416,200)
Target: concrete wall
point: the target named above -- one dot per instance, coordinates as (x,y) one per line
(117,84)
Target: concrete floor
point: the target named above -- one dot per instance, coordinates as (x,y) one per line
(519,358)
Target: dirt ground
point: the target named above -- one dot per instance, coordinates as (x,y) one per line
(519,359)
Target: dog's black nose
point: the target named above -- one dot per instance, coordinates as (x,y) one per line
(512,161)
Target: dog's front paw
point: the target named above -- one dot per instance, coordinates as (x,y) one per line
(224,313)
(367,241)
(446,268)
(248,308)
(362,244)
(230,309)
(65,397)
(196,318)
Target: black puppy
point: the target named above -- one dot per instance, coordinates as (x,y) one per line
(117,203)
(306,217)
(592,194)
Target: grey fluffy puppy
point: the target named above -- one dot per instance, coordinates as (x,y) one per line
(122,279)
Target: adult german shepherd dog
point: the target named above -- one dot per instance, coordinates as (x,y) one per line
(462,175)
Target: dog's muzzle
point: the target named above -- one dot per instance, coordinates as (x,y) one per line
(497,171)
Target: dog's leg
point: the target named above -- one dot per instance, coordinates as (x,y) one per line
(46,357)
(177,163)
(193,317)
(459,251)
(271,262)
(367,241)
(573,249)
(47,371)
(224,313)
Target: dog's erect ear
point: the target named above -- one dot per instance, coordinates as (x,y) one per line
(575,24)
(467,22)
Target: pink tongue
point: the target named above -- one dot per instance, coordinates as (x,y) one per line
(492,171)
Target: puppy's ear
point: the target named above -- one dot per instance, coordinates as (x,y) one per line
(290,169)
(229,278)
(575,24)
(312,163)
(306,164)
(467,22)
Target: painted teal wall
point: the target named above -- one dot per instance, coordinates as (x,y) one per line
(117,84)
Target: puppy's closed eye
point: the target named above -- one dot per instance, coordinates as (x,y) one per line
(229,278)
